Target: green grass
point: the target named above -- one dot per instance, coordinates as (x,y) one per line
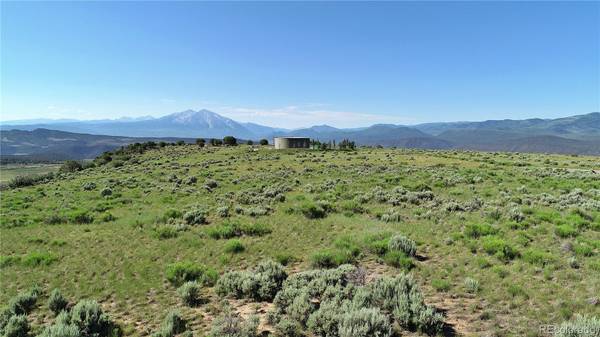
(8,172)
(234,246)
(321,210)
(441,285)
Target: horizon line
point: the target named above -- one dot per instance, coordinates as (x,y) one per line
(117,119)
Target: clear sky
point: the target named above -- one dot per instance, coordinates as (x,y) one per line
(299,64)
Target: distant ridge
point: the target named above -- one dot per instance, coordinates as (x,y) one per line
(578,134)
(52,145)
(189,123)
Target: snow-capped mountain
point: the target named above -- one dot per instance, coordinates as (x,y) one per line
(188,123)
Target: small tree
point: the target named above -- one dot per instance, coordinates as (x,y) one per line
(250,142)
(229,140)
(264,142)
(70,166)
(215,142)
(200,142)
(180,142)
(346,144)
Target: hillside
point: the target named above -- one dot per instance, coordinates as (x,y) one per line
(575,127)
(571,135)
(58,145)
(494,140)
(492,241)
(380,134)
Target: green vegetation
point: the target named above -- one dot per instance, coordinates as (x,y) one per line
(174,240)
(11,172)
(185,271)
(190,293)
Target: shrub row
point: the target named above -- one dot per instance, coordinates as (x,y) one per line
(85,319)
(179,272)
(32,259)
(332,303)
(261,284)
(29,180)
(229,230)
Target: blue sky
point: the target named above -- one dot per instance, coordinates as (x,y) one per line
(299,64)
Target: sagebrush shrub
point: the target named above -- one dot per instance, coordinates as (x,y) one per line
(54,219)
(261,283)
(319,299)
(366,322)
(106,192)
(231,324)
(81,217)
(325,321)
(573,263)
(230,229)
(57,302)
(391,216)
(312,210)
(190,293)
(580,326)
(515,214)
(196,216)
(231,284)
(301,307)
(223,211)
(16,326)
(402,243)
(288,328)
(172,325)
(23,303)
(61,329)
(471,285)
(210,183)
(402,296)
(22,181)
(87,315)
(89,186)
(495,214)
(429,321)
(191,180)
(256,211)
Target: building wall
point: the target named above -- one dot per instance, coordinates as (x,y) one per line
(291,143)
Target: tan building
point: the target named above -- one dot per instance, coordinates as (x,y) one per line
(291,142)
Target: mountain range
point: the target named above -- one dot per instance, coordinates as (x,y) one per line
(575,134)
